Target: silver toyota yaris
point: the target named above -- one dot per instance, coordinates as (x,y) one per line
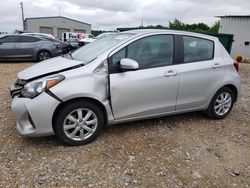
(126,76)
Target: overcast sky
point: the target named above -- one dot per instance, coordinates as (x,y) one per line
(110,14)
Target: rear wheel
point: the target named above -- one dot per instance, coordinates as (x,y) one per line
(79,123)
(43,55)
(221,104)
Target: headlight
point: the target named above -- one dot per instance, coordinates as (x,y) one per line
(36,87)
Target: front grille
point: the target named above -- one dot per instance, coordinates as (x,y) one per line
(20,82)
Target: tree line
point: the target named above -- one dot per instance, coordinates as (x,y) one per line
(196,27)
(199,27)
(178,25)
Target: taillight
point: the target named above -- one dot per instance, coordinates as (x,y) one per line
(236,66)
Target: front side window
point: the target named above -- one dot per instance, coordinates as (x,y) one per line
(10,39)
(149,52)
(197,49)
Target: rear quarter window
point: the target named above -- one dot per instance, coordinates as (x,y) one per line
(197,49)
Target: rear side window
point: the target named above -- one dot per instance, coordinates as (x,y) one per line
(10,39)
(197,49)
(28,39)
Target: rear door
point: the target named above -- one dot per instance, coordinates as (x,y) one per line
(201,71)
(150,90)
(9,47)
(28,46)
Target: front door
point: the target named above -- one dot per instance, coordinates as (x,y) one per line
(150,90)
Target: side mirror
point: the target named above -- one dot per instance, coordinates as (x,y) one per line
(129,64)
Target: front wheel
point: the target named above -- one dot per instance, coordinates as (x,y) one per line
(79,123)
(221,104)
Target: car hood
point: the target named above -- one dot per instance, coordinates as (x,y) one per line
(50,66)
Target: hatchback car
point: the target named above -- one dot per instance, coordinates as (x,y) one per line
(123,77)
(24,47)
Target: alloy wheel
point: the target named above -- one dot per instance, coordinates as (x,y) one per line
(44,55)
(223,103)
(80,124)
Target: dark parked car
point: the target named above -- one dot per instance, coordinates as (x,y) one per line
(66,47)
(73,43)
(22,47)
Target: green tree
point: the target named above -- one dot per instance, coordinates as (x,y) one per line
(215,27)
(177,24)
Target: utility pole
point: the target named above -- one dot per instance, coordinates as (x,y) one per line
(59,7)
(141,24)
(21,4)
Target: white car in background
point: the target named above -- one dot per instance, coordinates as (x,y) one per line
(90,38)
(85,39)
(105,34)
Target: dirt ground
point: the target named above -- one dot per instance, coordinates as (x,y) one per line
(188,150)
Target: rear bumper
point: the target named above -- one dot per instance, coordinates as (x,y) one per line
(34,116)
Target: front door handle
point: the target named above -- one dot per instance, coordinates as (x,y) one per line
(170,73)
(217,65)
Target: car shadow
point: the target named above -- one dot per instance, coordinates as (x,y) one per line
(170,122)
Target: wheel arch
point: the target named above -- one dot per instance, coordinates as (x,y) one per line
(92,100)
(234,90)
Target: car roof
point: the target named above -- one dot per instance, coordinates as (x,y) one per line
(21,36)
(168,31)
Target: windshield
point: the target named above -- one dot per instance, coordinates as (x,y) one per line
(91,51)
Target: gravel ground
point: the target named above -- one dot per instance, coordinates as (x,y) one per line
(188,150)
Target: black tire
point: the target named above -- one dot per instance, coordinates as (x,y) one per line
(211,112)
(43,55)
(66,111)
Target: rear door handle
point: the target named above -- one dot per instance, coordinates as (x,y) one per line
(170,73)
(217,65)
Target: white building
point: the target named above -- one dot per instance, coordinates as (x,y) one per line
(56,25)
(239,26)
